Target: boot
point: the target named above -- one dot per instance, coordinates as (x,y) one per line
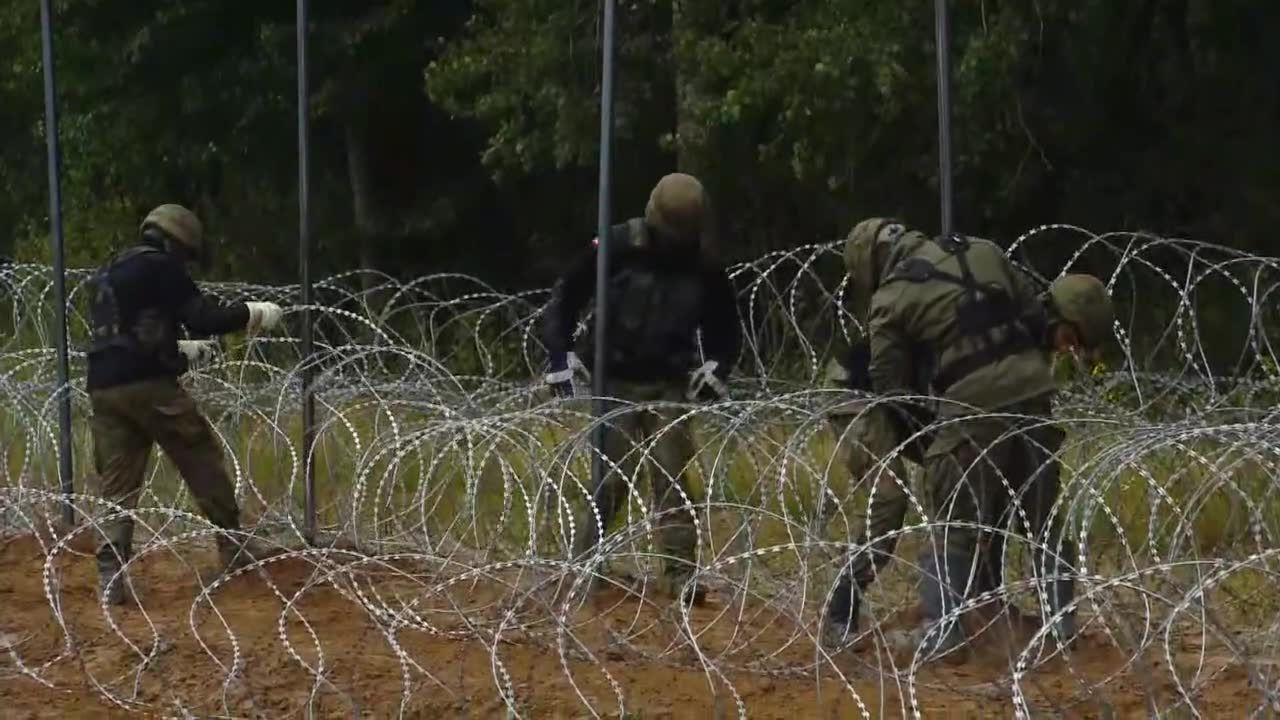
(587,535)
(233,554)
(694,594)
(113,584)
(1060,589)
(943,589)
(989,579)
(680,584)
(841,621)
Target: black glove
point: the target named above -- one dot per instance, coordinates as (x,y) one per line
(858,366)
(909,418)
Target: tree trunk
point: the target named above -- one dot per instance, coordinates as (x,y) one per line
(691,20)
(367,207)
(363,199)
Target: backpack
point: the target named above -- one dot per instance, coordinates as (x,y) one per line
(986,307)
(151,334)
(654,308)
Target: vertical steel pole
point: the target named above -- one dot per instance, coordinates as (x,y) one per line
(599,383)
(304,265)
(59,262)
(944,115)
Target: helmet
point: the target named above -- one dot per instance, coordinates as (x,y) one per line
(862,261)
(1082,300)
(677,207)
(178,223)
(858,255)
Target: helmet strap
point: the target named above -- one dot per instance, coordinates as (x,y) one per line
(155,237)
(158,238)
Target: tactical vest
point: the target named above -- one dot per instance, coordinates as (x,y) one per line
(151,334)
(653,312)
(985,309)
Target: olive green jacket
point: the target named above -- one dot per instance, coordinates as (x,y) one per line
(909,318)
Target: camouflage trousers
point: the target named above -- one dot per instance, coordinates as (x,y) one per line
(991,476)
(867,443)
(127,421)
(658,438)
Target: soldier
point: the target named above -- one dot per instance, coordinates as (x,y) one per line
(665,285)
(138,301)
(878,441)
(959,306)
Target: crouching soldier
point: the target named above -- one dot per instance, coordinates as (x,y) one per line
(960,302)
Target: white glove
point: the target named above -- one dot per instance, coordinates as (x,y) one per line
(561,381)
(262,316)
(198,352)
(704,379)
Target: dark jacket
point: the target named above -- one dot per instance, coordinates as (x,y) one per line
(659,302)
(158,282)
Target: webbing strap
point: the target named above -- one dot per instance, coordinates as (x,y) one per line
(966,365)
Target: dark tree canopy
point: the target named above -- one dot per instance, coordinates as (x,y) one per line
(462,135)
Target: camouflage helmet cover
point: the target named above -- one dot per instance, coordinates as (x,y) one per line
(862,261)
(677,208)
(1082,300)
(179,223)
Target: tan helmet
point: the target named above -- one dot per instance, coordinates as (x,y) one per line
(862,261)
(678,207)
(1083,301)
(179,223)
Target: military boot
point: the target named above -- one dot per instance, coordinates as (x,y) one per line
(841,621)
(944,588)
(680,585)
(233,554)
(1060,589)
(113,584)
(694,594)
(990,580)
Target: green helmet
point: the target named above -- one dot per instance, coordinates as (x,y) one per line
(178,223)
(1082,300)
(677,208)
(863,260)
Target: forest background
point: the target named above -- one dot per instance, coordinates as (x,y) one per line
(462,136)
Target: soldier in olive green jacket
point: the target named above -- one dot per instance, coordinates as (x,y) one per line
(959,306)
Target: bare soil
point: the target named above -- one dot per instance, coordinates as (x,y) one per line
(376,641)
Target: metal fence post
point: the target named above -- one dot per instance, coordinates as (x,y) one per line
(304,266)
(598,377)
(59,263)
(943,30)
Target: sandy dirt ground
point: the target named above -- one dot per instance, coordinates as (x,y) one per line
(296,639)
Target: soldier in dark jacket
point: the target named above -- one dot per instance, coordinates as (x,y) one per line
(138,302)
(665,286)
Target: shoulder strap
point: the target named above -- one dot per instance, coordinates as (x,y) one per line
(131,253)
(637,234)
(626,236)
(984,308)
(918,270)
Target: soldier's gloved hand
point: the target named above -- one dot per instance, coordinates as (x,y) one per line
(705,383)
(858,364)
(198,352)
(564,369)
(262,316)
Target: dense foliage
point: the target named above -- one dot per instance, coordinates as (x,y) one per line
(456,135)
